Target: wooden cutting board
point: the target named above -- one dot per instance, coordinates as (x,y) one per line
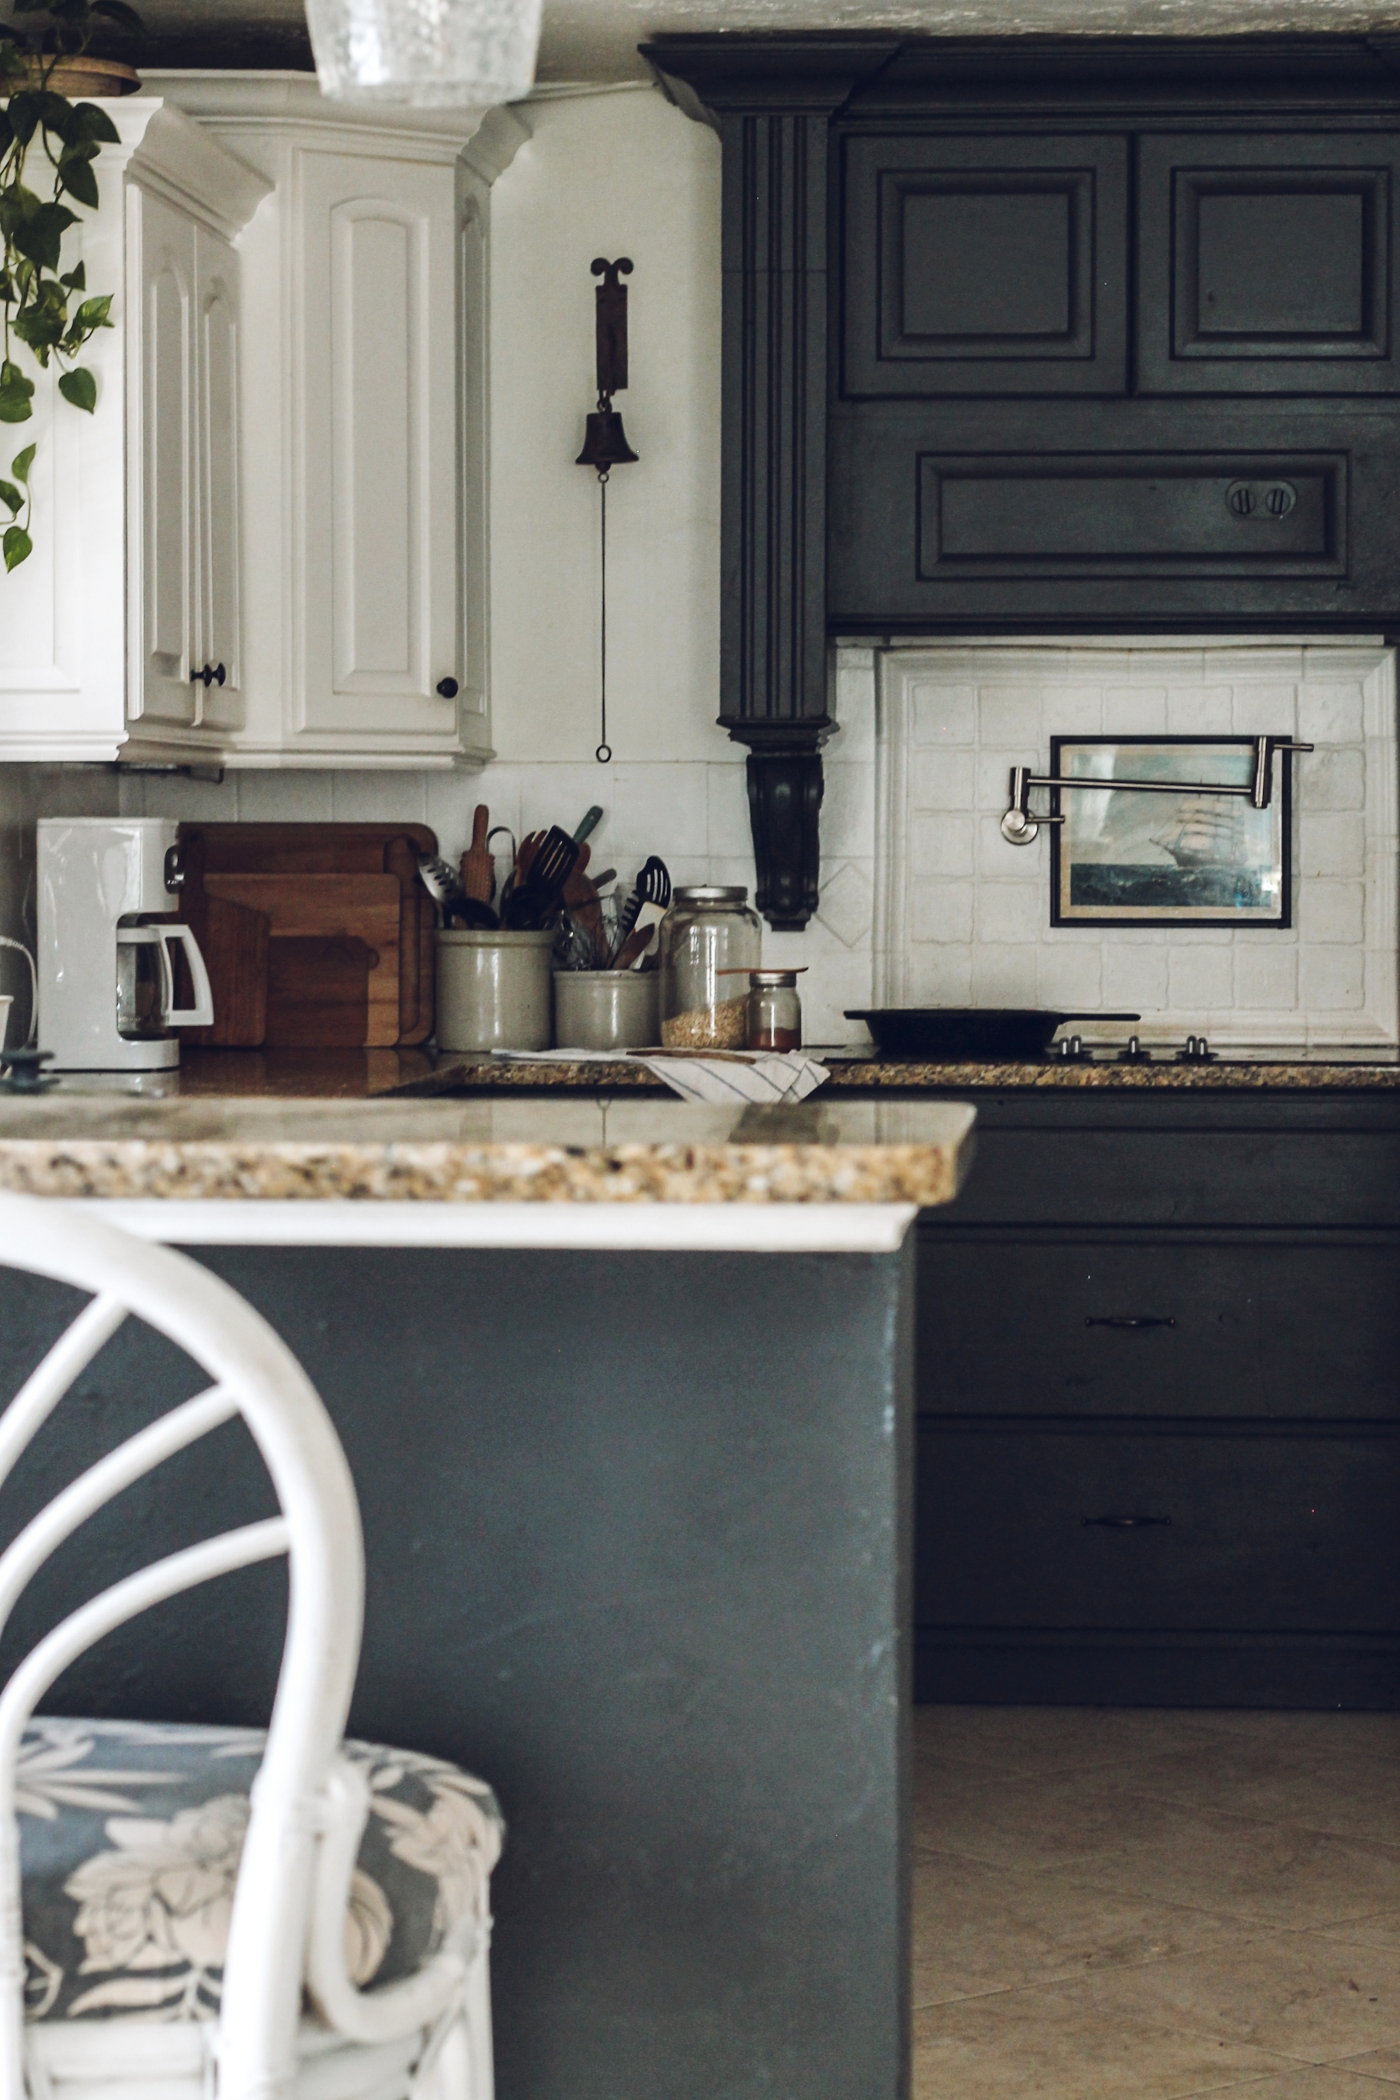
(318,991)
(310,850)
(304,849)
(356,907)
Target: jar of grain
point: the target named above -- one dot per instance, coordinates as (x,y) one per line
(710,939)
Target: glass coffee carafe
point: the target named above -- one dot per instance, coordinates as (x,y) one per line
(145,987)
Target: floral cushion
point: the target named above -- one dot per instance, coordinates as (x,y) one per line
(131,1834)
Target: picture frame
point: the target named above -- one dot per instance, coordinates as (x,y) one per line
(1135,858)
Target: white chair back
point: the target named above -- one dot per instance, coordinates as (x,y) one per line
(254,1375)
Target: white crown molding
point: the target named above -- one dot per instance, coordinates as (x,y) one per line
(257,100)
(187,165)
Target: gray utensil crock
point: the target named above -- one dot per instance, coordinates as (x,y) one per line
(607,1009)
(493,990)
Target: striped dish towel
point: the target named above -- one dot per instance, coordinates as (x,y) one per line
(761,1075)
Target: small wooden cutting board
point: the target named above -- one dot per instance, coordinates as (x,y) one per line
(358,907)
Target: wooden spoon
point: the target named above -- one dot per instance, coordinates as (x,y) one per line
(478,868)
(633,948)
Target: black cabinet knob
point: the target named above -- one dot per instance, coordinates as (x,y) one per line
(448,688)
(212,674)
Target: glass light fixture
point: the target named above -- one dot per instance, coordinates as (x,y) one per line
(448,53)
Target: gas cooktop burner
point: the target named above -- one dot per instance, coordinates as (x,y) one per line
(1073,1050)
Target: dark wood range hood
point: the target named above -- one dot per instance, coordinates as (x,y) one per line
(1041,334)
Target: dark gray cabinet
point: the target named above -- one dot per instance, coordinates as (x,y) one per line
(1173,1527)
(1158,1396)
(1040,334)
(1266,263)
(985,266)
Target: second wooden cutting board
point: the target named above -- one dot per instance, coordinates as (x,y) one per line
(358,907)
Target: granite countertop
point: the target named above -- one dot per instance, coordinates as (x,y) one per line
(856,1073)
(482,1151)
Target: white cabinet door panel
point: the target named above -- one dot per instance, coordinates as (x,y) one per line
(379,494)
(168,464)
(219,627)
(40,620)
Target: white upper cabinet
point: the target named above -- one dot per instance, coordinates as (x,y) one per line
(382,620)
(362,393)
(267,546)
(100,630)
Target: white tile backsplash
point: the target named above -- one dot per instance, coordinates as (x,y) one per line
(963,915)
(911,834)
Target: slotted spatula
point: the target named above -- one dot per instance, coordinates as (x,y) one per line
(533,902)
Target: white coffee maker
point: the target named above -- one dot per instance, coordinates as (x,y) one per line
(106,931)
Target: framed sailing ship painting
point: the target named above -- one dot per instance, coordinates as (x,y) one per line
(1160,854)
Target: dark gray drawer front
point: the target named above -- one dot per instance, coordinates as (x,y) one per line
(1049,1323)
(1080,1175)
(1267,1532)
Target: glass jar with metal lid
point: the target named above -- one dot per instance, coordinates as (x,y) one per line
(773,1014)
(710,939)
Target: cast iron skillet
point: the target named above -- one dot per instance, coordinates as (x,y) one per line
(953,1034)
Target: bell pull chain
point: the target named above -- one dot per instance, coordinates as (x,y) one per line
(605,443)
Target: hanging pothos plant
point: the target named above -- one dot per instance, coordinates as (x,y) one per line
(47,149)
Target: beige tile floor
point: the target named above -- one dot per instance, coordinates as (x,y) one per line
(1144,1905)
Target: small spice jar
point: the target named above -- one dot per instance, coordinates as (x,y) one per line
(708,937)
(773,1011)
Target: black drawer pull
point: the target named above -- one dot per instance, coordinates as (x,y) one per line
(1122,1523)
(1130,1320)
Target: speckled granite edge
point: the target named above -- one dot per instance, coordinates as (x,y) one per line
(497,1075)
(1224,1076)
(922,1174)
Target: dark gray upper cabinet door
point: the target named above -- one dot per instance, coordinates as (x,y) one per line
(1266,264)
(990,265)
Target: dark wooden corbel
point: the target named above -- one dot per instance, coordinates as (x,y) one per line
(785,799)
(771,100)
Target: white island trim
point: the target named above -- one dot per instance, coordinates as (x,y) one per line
(657,1228)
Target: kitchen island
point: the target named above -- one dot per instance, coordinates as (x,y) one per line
(626,1388)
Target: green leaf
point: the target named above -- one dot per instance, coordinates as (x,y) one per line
(79,387)
(75,174)
(18,546)
(42,331)
(23,113)
(93,313)
(76,280)
(11,495)
(22,462)
(41,237)
(117,11)
(90,122)
(16,393)
(54,110)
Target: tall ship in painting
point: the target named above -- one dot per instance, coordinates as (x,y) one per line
(1209,833)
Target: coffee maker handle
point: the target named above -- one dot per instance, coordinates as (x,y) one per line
(201,1014)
